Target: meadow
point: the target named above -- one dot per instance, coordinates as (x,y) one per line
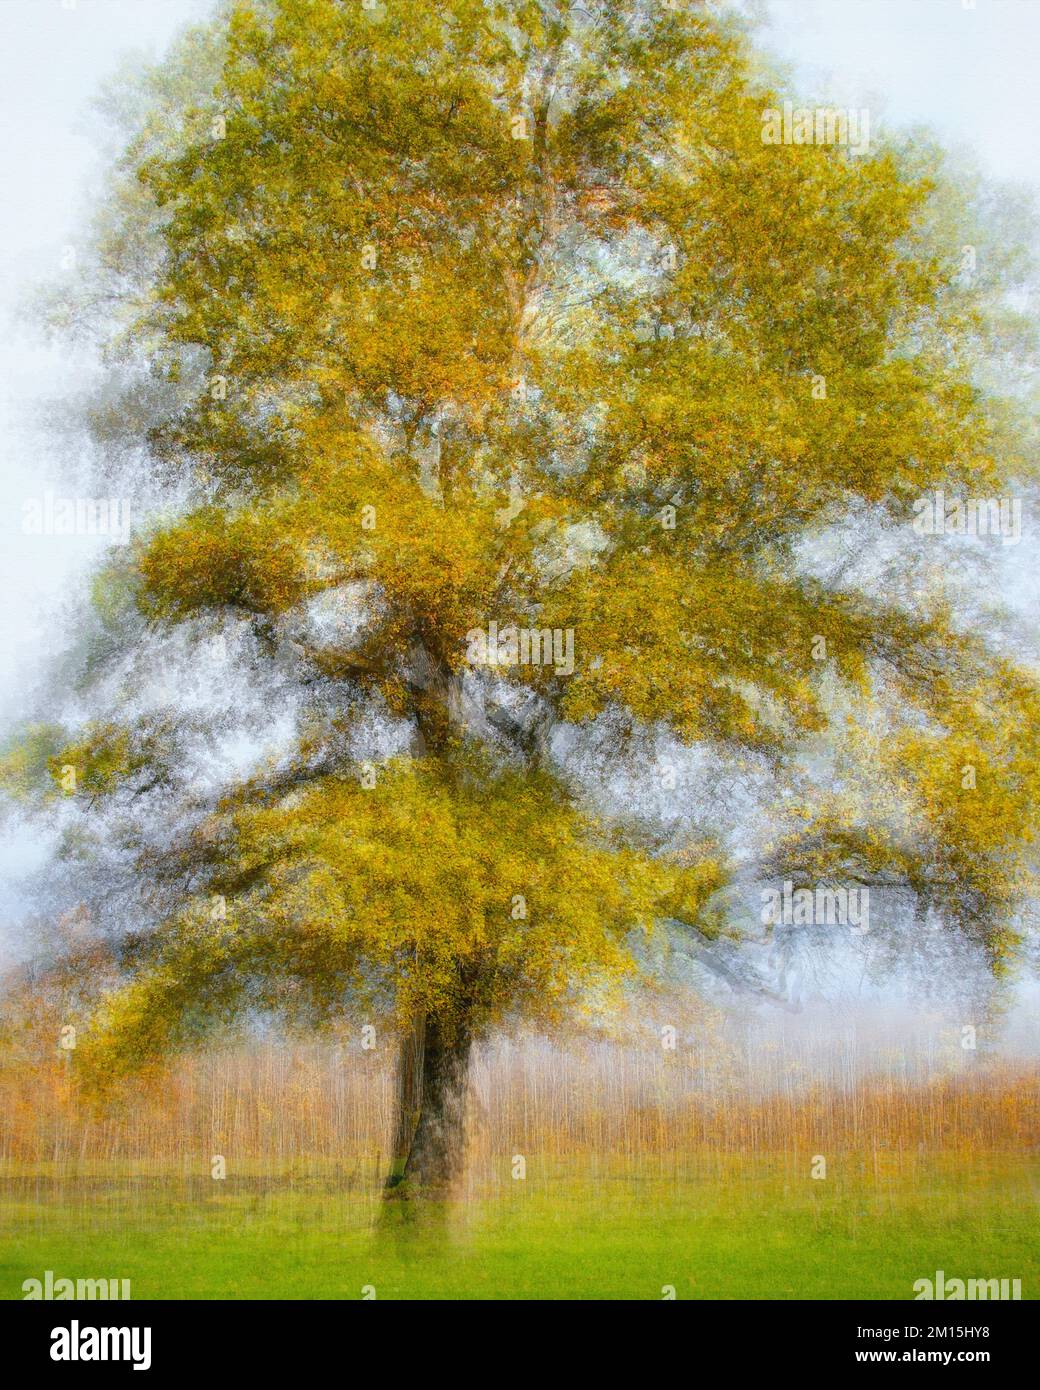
(598,1169)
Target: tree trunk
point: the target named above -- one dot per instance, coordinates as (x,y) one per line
(408,1100)
(430,1134)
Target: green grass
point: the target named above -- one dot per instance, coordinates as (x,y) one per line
(752,1231)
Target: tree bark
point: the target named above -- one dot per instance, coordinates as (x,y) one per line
(430,1130)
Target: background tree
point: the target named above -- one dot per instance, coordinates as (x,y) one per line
(478,313)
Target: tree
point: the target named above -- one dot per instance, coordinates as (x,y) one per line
(524,394)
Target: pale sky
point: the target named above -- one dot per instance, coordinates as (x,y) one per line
(969,72)
(53,57)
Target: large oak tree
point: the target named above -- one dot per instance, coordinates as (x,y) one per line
(503,312)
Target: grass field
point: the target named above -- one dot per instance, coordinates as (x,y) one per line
(744,1231)
(643,1170)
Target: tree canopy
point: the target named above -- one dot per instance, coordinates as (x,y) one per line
(503,312)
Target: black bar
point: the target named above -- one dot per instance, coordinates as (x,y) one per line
(270,1338)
